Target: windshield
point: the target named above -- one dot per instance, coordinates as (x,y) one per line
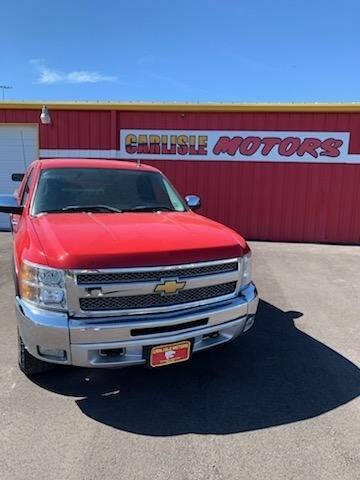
(104,190)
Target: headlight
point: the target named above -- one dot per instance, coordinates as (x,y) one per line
(246,269)
(43,286)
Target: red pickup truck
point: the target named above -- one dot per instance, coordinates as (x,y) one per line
(113,268)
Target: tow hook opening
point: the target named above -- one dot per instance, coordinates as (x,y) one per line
(211,335)
(112,352)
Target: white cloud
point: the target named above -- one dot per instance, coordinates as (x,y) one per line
(48,76)
(84,76)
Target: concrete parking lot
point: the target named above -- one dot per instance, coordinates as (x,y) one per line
(282,402)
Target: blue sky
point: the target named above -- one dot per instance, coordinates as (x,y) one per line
(181,50)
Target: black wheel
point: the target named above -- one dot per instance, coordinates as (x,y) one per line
(29,364)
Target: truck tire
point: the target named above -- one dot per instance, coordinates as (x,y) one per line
(29,364)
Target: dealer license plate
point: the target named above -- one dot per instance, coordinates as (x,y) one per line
(171,353)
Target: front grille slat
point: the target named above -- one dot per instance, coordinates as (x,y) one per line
(155,300)
(154,276)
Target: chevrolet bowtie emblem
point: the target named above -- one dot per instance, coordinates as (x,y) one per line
(168,287)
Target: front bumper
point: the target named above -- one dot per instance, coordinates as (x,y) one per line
(84,341)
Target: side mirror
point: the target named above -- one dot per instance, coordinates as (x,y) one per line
(8,204)
(193,201)
(17,177)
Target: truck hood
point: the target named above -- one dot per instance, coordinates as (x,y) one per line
(101,240)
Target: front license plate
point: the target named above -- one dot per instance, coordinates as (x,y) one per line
(171,353)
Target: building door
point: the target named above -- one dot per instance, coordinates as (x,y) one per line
(18,148)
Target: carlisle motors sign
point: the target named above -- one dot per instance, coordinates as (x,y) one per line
(260,146)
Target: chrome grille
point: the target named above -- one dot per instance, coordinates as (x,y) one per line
(154,275)
(131,291)
(156,300)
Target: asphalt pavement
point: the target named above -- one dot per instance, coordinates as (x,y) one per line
(281,402)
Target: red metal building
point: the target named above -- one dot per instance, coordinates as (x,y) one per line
(284,172)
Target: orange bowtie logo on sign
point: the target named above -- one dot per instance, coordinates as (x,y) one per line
(169,287)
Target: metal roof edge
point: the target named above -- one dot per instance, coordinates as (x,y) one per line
(185,107)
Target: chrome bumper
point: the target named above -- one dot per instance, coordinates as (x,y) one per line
(83,339)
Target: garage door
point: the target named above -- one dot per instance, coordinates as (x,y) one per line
(18,148)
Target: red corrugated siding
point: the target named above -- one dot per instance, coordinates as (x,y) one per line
(282,202)
(77,129)
(267,201)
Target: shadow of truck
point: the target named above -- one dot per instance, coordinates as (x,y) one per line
(273,375)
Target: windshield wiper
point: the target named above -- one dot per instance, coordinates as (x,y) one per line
(108,208)
(85,208)
(149,208)
(92,208)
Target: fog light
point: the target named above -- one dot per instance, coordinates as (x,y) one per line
(56,353)
(249,323)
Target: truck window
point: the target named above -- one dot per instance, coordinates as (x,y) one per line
(61,189)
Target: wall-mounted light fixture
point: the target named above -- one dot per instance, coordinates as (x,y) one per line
(45,116)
